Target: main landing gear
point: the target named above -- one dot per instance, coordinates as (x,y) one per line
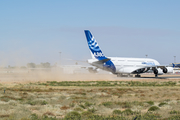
(137,75)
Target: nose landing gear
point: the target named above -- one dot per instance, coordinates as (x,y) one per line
(156,75)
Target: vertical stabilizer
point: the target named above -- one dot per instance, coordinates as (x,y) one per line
(93,46)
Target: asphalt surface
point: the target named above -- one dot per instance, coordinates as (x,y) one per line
(43,77)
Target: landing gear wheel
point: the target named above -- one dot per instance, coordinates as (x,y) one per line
(137,75)
(156,75)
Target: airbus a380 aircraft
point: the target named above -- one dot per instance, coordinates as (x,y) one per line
(120,65)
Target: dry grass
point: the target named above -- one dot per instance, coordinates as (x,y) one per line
(23,100)
(105,100)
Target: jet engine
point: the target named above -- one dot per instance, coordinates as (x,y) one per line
(165,70)
(155,71)
(168,70)
(158,71)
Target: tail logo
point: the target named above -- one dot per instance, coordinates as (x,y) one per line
(98,54)
(93,45)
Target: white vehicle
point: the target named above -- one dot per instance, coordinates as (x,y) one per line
(121,65)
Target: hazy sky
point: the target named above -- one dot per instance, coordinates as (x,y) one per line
(37,30)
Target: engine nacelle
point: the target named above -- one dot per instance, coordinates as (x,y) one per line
(169,69)
(158,71)
(155,71)
(165,70)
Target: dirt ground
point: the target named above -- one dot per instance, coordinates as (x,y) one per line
(12,78)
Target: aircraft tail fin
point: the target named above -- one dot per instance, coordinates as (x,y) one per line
(95,50)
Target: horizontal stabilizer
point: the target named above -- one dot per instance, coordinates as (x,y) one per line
(103,61)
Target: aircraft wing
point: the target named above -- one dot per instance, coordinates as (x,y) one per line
(157,66)
(102,61)
(147,68)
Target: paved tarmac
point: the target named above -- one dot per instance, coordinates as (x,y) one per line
(45,76)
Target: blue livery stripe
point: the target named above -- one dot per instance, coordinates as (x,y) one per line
(96,51)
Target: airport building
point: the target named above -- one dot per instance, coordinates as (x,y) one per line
(176,69)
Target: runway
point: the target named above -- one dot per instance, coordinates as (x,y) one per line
(49,76)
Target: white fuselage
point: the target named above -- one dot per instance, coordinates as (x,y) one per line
(120,65)
(127,65)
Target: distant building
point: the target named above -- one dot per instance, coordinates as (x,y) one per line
(176,68)
(177,65)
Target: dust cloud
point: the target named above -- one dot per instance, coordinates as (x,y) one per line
(43,75)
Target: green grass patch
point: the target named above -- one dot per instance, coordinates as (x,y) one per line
(92,110)
(30,102)
(73,116)
(85,114)
(88,104)
(117,112)
(125,104)
(148,116)
(107,104)
(162,104)
(107,83)
(82,106)
(78,109)
(174,112)
(150,102)
(153,108)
